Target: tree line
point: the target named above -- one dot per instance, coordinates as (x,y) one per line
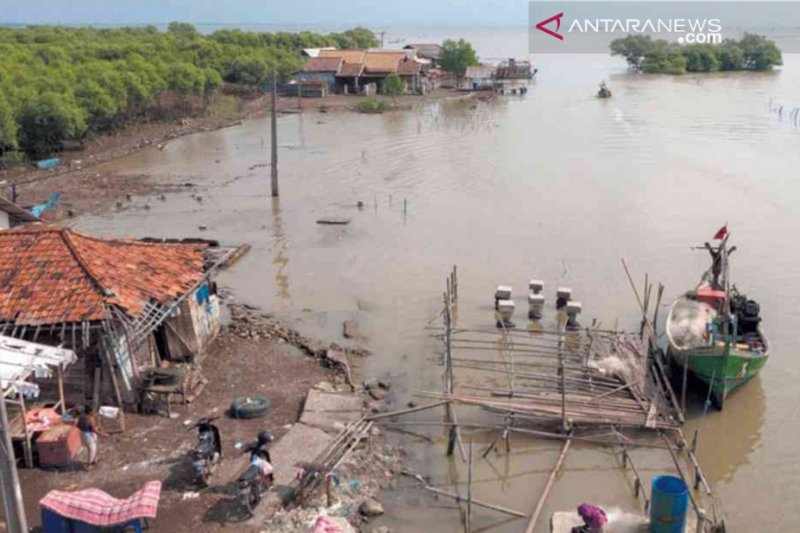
(59,84)
(751,52)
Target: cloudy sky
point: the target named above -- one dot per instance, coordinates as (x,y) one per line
(346,13)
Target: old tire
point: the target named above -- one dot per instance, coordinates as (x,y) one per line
(250,407)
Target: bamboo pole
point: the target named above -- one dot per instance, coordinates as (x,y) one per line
(690,452)
(479,503)
(408,411)
(27,448)
(60,374)
(546,492)
(469,490)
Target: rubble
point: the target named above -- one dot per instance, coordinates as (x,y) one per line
(359,479)
(370,508)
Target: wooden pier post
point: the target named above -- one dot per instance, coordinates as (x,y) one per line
(564,425)
(274,130)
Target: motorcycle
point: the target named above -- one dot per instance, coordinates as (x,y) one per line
(256,481)
(207,453)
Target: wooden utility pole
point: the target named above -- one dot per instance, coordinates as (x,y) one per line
(274,174)
(12,492)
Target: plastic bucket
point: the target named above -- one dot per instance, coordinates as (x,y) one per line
(668,505)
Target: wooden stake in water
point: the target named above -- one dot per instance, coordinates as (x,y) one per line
(274,128)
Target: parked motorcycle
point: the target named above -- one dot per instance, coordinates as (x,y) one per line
(207,453)
(255,482)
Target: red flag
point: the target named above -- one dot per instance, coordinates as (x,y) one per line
(720,234)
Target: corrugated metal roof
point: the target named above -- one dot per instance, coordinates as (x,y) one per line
(20,360)
(480,72)
(432,51)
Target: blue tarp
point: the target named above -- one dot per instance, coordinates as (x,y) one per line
(48,163)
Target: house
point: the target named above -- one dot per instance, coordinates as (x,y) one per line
(430,52)
(321,71)
(125,307)
(364,70)
(377,65)
(12,215)
(478,78)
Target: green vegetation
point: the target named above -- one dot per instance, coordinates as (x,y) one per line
(370,104)
(751,52)
(456,56)
(59,84)
(394,85)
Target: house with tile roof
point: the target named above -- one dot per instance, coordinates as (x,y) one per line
(362,71)
(125,307)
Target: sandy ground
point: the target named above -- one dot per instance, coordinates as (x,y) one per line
(154,447)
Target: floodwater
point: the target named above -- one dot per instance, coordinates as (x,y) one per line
(556,185)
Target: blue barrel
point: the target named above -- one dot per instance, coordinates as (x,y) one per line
(668,504)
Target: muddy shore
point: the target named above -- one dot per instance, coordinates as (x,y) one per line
(253,355)
(82,189)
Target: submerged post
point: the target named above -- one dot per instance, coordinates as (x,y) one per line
(274,128)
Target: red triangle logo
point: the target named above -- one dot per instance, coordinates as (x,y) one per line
(548,31)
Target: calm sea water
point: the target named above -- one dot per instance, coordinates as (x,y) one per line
(556,185)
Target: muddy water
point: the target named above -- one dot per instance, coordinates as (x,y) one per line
(556,185)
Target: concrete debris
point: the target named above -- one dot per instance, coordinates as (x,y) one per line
(377,394)
(370,508)
(350,329)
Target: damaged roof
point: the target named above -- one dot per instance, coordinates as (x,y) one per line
(16,211)
(50,275)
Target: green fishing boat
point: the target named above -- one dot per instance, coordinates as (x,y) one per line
(715,332)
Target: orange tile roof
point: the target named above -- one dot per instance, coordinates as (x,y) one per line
(383,61)
(348,56)
(409,68)
(351,69)
(50,275)
(323,64)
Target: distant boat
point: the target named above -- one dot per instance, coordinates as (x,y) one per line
(715,332)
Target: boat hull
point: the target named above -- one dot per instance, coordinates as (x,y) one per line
(722,374)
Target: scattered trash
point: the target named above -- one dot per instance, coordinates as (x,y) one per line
(190,496)
(48,163)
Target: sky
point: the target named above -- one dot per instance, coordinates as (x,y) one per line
(329,13)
